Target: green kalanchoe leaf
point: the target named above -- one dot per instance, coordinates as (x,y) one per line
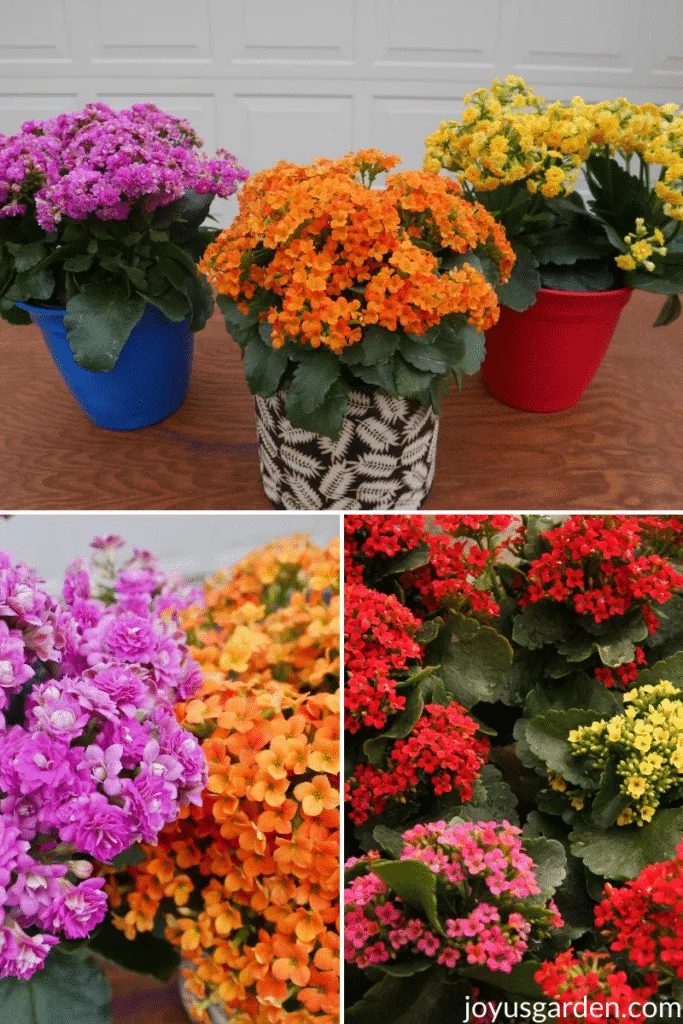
(70,989)
(99,320)
(415,883)
(623,851)
(313,378)
(474,659)
(328,419)
(548,738)
(520,291)
(263,367)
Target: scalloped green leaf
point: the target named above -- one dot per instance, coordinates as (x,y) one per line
(623,851)
(474,659)
(403,562)
(520,291)
(547,737)
(99,320)
(69,989)
(545,622)
(670,669)
(492,799)
(415,883)
(264,366)
(313,378)
(328,419)
(550,863)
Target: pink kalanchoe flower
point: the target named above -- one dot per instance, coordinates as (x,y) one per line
(493,932)
(80,908)
(33,894)
(96,759)
(21,955)
(14,670)
(107,543)
(95,826)
(102,162)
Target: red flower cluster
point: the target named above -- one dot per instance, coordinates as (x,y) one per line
(462,559)
(623,675)
(365,537)
(379,640)
(569,979)
(663,534)
(597,564)
(644,917)
(442,751)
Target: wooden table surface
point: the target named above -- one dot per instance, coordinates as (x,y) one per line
(140,1000)
(620,447)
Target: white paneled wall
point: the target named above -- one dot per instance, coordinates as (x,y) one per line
(293,79)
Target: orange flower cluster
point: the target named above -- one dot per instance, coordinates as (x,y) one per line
(321,254)
(249,882)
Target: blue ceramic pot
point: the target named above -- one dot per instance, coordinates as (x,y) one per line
(149,381)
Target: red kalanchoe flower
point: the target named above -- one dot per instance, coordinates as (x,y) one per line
(379,642)
(369,536)
(623,675)
(571,979)
(596,565)
(644,917)
(442,754)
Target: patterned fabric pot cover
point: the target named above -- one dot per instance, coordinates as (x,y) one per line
(384,457)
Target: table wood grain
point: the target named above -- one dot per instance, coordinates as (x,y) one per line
(620,447)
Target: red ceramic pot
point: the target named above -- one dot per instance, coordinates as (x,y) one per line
(542,360)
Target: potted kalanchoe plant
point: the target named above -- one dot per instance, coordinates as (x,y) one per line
(101,216)
(578,259)
(504,673)
(355,308)
(92,763)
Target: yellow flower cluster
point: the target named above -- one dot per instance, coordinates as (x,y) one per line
(509,134)
(641,247)
(647,743)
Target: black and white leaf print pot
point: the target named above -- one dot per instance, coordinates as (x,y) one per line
(384,457)
(216,1014)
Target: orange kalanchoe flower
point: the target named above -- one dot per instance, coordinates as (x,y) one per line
(326,254)
(248,885)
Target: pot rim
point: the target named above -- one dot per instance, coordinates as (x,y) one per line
(44,310)
(585,295)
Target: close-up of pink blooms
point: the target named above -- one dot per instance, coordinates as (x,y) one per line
(92,758)
(105,162)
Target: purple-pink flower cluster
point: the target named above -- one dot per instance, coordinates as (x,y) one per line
(101,161)
(92,758)
(493,930)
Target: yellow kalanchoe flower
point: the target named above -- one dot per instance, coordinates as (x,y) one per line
(647,743)
(642,246)
(508,134)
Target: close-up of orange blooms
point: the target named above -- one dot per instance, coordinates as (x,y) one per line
(320,254)
(247,885)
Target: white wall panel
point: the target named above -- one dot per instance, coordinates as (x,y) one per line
(149,32)
(451,36)
(401,123)
(283,126)
(33,34)
(308,31)
(15,108)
